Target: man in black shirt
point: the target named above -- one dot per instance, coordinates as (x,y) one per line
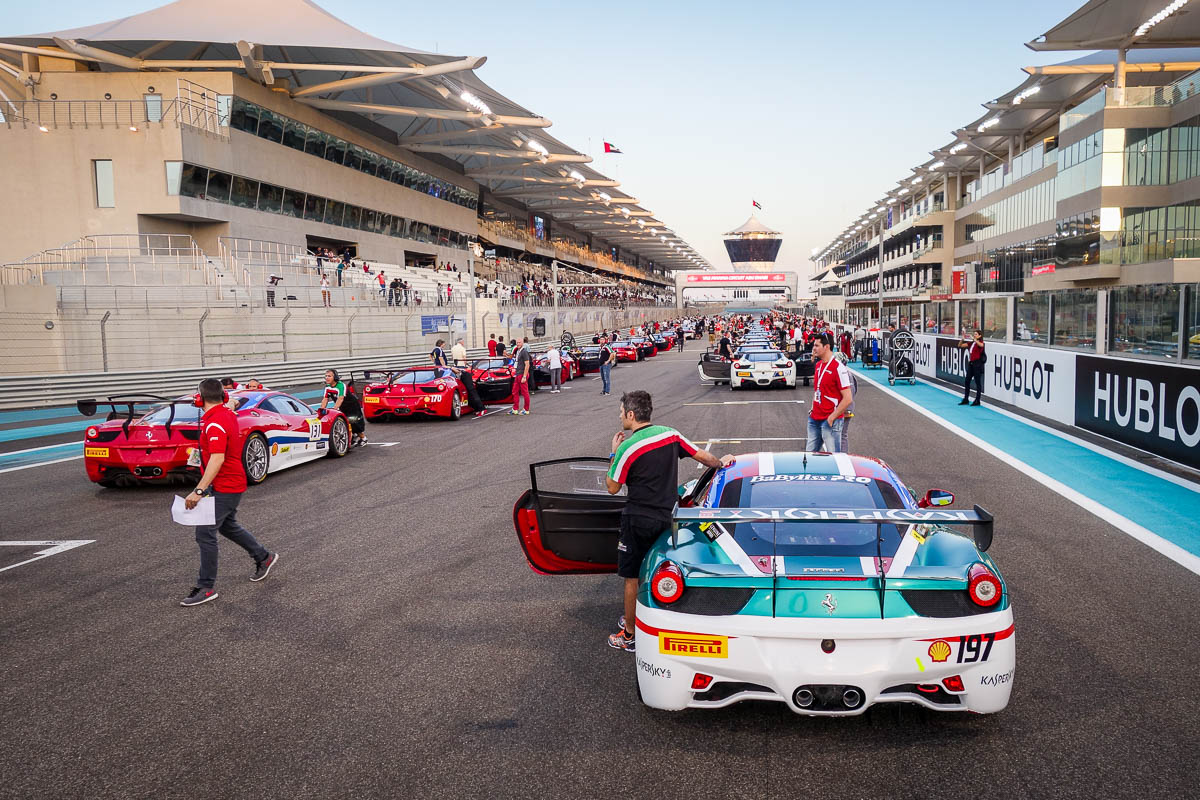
(647,461)
(724,346)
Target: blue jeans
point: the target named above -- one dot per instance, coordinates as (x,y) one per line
(605,374)
(227,525)
(824,436)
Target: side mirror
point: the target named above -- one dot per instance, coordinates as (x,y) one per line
(687,488)
(936,497)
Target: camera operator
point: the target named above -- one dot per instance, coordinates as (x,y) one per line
(273,280)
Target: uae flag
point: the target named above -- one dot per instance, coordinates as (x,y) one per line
(609,147)
(757,204)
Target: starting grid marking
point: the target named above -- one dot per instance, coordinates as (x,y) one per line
(51,548)
(745,402)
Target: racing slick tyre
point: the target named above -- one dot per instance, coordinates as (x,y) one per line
(256,458)
(339,438)
(455,407)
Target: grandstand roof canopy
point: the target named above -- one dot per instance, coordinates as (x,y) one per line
(433,103)
(1111,24)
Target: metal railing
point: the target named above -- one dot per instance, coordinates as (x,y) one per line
(133,253)
(197,107)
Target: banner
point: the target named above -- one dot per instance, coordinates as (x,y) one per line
(432,323)
(1145,404)
(738,277)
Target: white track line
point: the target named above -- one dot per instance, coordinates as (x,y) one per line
(41,464)
(1147,537)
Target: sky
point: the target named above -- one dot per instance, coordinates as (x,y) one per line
(814,109)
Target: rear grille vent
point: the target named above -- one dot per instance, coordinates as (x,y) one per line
(942,602)
(105,436)
(724,689)
(712,601)
(191,433)
(940,696)
(376,389)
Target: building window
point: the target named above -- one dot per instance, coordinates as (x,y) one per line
(244,193)
(995,319)
(1144,320)
(1075,318)
(969,317)
(218,186)
(1191,341)
(153,107)
(174,172)
(1033,318)
(194,181)
(102,172)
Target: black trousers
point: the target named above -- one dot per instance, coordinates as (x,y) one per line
(974,373)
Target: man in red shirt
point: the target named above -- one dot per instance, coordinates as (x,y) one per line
(225,479)
(831,397)
(492,346)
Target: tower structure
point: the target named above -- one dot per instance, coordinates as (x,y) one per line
(753,246)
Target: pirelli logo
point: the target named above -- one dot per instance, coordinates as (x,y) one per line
(95,452)
(693,644)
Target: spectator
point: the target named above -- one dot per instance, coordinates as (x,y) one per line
(679,337)
(499,348)
(449,294)
(646,460)
(382,283)
(273,280)
(976,359)
(438,355)
(860,336)
(341,266)
(608,357)
(439,294)
(325,291)
(492,346)
(554,357)
(522,375)
(459,353)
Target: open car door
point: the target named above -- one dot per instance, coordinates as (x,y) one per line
(713,367)
(567,522)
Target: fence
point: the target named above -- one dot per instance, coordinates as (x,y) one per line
(138,255)
(195,107)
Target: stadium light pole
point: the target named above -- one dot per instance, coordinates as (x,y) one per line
(880,275)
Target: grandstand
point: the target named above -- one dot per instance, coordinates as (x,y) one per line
(182,175)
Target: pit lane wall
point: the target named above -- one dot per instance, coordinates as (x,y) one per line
(41,338)
(1150,405)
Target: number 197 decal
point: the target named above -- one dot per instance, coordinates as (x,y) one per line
(975,647)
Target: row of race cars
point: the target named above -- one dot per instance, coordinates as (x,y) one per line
(147,439)
(756,360)
(816,580)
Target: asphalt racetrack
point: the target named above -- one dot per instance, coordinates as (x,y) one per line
(403,648)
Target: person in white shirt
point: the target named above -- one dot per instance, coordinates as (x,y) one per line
(860,338)
(325,291)
(458,354)
(555,358)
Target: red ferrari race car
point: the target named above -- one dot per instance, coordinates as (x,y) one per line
(645,346)
(494,378)
(427,390)
(541,368)
(626,351)
(159,445)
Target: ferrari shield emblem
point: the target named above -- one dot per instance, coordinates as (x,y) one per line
(830,604)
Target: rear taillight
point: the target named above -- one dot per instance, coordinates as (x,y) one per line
(700,681)
(983,586)
(790,364)
(92,431)
(954,684)
(667,583)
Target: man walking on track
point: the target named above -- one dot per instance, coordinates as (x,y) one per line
(646,459)
(225,480)
(608,357)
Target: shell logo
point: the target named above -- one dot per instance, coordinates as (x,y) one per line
(939,651)
(274,449)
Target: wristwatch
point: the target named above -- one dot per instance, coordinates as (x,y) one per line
(611,456)
(201,492)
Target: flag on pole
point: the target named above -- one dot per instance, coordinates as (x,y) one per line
(757,204)
(609,147)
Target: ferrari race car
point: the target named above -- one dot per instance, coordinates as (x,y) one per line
(626,351)
(663,341)
(762,368)
(713,367)
(494,379)
(588,359)
(541,368)
(426,390)
(645,346)
(160,445)
(814,580)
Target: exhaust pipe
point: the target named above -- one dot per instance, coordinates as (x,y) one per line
(851,698)
(803,698)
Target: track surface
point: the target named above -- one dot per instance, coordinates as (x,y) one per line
(403,648)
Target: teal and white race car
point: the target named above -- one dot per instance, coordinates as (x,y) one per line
(810,579)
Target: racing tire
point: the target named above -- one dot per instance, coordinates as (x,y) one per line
(455,407)
(339,438)
(256,458)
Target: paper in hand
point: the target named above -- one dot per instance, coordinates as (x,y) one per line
(205,512)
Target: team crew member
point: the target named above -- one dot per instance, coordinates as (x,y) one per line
(647,461)
(225,479)
(438,355)
(724,347)
(523,362)
(335,390)
(351,406)
(976,359)
(831,397)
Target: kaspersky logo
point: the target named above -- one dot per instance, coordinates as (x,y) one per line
(692,644)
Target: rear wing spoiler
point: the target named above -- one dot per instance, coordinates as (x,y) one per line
(982,521)
(129,402)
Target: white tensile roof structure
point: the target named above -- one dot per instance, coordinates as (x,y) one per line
(432,103)
(752,226)
(1122,24)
